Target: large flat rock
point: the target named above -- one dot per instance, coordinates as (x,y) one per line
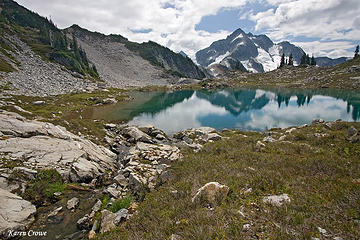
(43,145)
(15,213)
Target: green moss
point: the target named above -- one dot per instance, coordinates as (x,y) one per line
(42,188)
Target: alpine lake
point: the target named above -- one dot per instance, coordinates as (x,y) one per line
(243,109)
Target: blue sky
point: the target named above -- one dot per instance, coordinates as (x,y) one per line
(322,27)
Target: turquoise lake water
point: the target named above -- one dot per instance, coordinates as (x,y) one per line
(246,109)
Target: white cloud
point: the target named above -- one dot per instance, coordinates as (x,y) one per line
(329,49)
(323,19)
(172,21)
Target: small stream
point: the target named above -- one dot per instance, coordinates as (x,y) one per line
(63,226)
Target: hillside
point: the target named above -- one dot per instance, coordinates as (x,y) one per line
(37,58)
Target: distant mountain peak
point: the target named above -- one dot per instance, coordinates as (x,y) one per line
(240,50)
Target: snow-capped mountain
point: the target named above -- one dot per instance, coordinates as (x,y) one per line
(255,53)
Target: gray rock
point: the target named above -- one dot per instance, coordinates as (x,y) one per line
(213,137)
(38,103)
(175,237)
(121,215)
(107,221)
(211,194)
(109,126)
(277,200)
(97,206)
(72,203)
(15,213)
(43,145)
(269,139)
(121,180)
(134,132)
(113,191)
(352,131)
(319,120)
(55,212)
(84,222)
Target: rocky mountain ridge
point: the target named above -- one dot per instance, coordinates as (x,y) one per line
(254,53)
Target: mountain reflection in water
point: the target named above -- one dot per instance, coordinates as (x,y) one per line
(248,109)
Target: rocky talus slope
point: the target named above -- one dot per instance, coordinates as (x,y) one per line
(35,76)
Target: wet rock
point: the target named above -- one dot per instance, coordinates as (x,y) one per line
(211,194)
(277,200)
(16,213)
(72,203)
(55,212)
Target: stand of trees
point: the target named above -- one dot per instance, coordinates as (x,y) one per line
(286,61)
(306,60)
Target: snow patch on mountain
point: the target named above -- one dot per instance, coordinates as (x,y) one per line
(266,60)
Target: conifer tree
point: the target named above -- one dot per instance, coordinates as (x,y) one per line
(282,62)
(313,61)
(303,59)
(356,55)
(291,60)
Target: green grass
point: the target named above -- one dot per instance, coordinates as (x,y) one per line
(120,204)
(70,107)
(5,66)
(317,173)
(42,188)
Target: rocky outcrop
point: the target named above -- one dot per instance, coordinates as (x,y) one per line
(15,214)
(42,145)
(277,200)
(211,194)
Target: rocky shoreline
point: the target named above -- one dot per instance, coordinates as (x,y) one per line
(135,161)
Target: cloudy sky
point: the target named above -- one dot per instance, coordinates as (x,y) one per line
(323,27)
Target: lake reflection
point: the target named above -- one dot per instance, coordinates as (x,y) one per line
(239,109)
